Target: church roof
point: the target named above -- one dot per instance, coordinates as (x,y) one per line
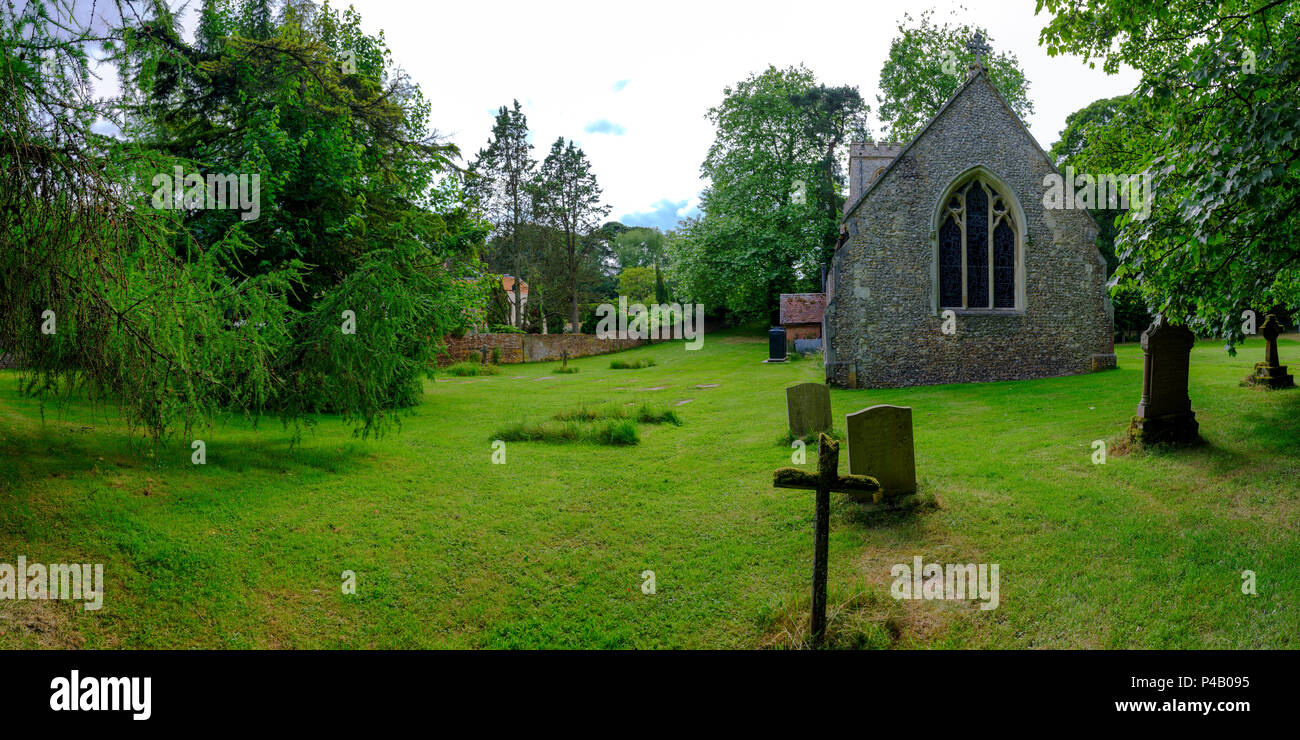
(980,72)
(802,308)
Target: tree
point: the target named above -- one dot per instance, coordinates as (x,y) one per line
(926,65)
(568,199)
(774,193)
(1111,135)
(177,310)
(638,284)
(502,174)
(1222,79)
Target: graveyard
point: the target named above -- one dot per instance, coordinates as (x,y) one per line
(549,545)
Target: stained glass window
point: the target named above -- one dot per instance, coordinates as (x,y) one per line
(950,263)
(977,249)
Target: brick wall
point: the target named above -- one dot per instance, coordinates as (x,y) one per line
(517,348)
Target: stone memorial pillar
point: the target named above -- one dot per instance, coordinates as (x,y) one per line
(1271,373)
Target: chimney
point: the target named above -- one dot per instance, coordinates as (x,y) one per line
(866,160)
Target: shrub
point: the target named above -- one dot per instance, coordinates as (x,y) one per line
(626,365)
(496,355)
(565,369)
(466,369)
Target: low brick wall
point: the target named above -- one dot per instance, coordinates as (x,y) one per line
(517,348)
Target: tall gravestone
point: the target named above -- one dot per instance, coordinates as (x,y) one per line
(808,409)
(1164,414)
(880,445)
(1271,373)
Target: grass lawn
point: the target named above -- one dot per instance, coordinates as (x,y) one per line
(547,550)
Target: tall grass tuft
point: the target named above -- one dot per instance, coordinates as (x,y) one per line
(466,369)
(626,365)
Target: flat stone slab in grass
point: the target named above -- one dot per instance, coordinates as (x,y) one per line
(880,445)
(656,388)
(708,385)
(808,408)
(685,401)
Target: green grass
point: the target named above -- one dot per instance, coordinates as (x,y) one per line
(452,550)
(644,362)
(608,432)
(470,369)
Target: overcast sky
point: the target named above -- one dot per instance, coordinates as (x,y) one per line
(631,82)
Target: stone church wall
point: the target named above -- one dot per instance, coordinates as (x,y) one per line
(883,320)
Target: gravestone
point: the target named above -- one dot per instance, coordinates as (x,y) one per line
(1164,414)
(1271,373)
(808,409)
(880,445)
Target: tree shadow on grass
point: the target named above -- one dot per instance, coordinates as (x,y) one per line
(1255,432)
(67,450)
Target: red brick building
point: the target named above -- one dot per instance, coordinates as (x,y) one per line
(801,315)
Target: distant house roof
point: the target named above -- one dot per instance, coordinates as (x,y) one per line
(802,308)
(508,282)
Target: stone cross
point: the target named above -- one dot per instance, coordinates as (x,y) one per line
(485,354)
(1164,414)
(564,358)
(826,479)
(978,46)
(1271,372)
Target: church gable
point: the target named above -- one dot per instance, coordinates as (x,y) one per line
(955,221)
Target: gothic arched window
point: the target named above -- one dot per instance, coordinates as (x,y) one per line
(977,249)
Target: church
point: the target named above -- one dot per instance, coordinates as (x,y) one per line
(955,221)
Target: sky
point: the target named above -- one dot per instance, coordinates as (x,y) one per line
(630,83)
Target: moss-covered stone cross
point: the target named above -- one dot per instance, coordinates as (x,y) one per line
(826,479)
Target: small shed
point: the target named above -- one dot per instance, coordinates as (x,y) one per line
(801,315)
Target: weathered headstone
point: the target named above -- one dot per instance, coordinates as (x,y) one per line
(1271,373)
(880,445)
(1164,414)
(808,408)
(827,479)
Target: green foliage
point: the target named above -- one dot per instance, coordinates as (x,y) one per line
(567,199)
(176,313)
(770,216)
(500,177)
(1111,136)
(1221,237)
(927,63)
(638,284)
